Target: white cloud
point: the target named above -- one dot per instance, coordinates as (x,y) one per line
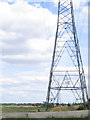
(76,3)
(27,38)
(24,30)
(26,85)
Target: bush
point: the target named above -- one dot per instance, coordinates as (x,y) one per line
(69,104)
(82,107)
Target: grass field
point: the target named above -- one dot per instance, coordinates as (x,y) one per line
(7,108)
(47,119)
(64,108)
(29,108)
(21,108)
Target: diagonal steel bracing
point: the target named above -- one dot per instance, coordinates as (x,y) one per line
(67,73)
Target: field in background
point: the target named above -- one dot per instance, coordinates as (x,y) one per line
(7,108)
(26,112)
(22,108)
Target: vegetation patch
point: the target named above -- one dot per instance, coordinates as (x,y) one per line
(45,119)
(9,108)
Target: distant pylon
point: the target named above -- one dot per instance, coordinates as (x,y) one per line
(67,79)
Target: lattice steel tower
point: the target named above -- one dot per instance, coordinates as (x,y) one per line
(67,79)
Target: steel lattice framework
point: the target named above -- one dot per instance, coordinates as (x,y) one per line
(67,73)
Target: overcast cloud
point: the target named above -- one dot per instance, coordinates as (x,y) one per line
(27,36)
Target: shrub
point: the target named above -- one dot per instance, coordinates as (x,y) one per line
(69,104)
(82,107)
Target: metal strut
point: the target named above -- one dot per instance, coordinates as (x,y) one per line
(67,71)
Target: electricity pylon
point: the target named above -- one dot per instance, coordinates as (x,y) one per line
(67,78)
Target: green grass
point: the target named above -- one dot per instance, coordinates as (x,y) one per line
(67,108)
(16,108)
(46,119)
(30,108)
